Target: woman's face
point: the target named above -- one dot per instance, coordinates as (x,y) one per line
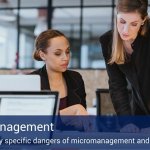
(58,54)
(128,25)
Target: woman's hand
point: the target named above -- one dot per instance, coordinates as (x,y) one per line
(130,128)
(145,130)
(77,117)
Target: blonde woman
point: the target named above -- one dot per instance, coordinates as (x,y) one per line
(126,50)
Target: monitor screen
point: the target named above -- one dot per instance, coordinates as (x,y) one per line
(28,110)
(28,103)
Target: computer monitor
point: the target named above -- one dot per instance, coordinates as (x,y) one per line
(104,103)
(33,109)
(29,103)
(20,83)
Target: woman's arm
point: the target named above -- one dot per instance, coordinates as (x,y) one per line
(82,93)
(76,116)
(118,90)
(117,80)
(74,110)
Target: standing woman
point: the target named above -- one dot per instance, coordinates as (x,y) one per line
(126,50)
(53,47)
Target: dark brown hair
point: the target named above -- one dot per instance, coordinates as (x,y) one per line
(42,42)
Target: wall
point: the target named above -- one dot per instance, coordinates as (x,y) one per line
(93,79)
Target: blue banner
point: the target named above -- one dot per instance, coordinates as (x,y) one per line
(74,132)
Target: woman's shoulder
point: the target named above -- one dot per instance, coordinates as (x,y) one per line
(35,72)
(106,44)
(73,73)
(40,71)
(107,36)
(73,77)
(148,32)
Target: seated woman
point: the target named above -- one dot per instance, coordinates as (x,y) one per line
(53,47)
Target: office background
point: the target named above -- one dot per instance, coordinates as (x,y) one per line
(83,21)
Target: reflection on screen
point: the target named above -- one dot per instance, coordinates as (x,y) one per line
(27,105)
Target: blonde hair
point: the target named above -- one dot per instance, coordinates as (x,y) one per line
(118,54)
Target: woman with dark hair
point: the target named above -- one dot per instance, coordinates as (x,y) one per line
(126,50)
(53,47)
